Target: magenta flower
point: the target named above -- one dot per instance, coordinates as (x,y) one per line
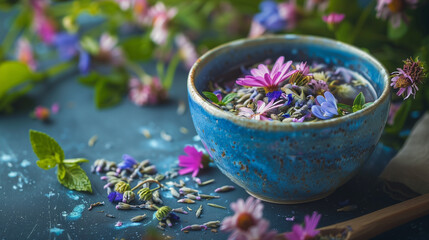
(24,53)
(55,108)
(186,50)
(261,110)
(147,92)
(193,162)
(407,78)
(247,222)
(394,10)
(161,16)
(289,12)
(333,18)
(308,231)
(42,24)
(319,87)
(41,113)
(268,79)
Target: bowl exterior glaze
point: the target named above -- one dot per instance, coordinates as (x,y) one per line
(294,162)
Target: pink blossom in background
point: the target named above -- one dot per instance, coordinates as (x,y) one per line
(55,108)
(141,12)
(394,107)
(41,113)
(321,5)
(109,50)
(42,24)
(407,78)
(161,17)
(289,12)
(187,50)
(149,93)
(125,4)
(394,10)
(308,231)
(247,222)
(256,30)
(24,53)
(192,162)
(333,18)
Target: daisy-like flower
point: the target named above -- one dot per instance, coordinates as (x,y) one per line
(268,79)
(193,162)
(186,50)
(319,87)
(394,10)
(24,53)
(333,19)
(261,110)
(308,231)
(247,222)
(408,77)
(109,50)
(302,75)
(148,91)
(327,107)
(161,16)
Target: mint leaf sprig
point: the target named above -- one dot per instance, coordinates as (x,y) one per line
(358,104)
(228,98)
(50,154)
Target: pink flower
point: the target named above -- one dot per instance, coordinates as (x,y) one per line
(320,4)
(160,16)
(141,12)
(319,87)
(261,110)
(407,78)
(41,113)
(149,92)
(308,231)
(43,26)
(109,51)
(256,29)
(247,222)
(193,162)
(186,50)
(302,75)
(268,79)
(124,4)
(333,18)
(55,108)
(394,10)
(394,107)
(289,12)
(24,53)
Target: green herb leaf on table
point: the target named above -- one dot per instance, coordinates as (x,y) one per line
(51,154)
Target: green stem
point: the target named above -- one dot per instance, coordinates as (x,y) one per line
(57,69)
(169,77)
(147,181)
(139,72)
(361,21)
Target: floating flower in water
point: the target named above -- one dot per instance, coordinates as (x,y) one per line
(407,78)
(160,16)
(333,19)
(308,231)
(109,51)
(115,196)
(319,87)
(261,110)
(327,107)
(187,50)
(68,46)
(301,75)
(147,91)
(41,113)
(193,162)
(268,79)
(127,163)
(394,10)
(42,24)
(247,222)
(24,53)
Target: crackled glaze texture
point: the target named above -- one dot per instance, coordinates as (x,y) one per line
(293,162)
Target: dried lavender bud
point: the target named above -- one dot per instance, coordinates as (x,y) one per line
(123,206)
(226,188)
(185,190)
(149,170)
(215,205)
(185,200)
(212,224)
(199,211)
(156,197)
(138,218)
(174,193)
(180,210)
(194,227)
(206,182)
(205,196)
(193,197)
(128,196)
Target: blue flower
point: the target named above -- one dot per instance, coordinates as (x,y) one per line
(273,95)
(127,163)
(327,108)
(68,46)
(269,17)
(115,197)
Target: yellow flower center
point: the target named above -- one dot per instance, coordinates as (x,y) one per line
(396,5)
(245,221)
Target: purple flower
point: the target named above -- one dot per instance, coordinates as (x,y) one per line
(327,107)
(319,87)
(192,162)
(407,78)
(308,231)
(269,17)
(268,79)
(261,110)
(394,10)
(288,97)
(115,197)
(333,18)
(68,46)
(127,163)
(302,75)
(272,96)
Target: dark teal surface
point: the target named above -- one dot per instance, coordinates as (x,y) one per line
(32,203)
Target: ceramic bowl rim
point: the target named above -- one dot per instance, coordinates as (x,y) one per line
(274,125)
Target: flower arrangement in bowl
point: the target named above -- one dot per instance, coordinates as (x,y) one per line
(299,123)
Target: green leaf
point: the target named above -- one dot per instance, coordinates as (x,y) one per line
(74,178)
(398,32)
(90,79)
(358,102)
(344,32)
(12,74)
(45,147)
(138,48)
(107,94)
(47,163)
(212,97)
(61,171)
(345,107)
(228,98)
(90,45)
(167,81)
(75,160)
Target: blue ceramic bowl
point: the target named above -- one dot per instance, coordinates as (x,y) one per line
(288,162)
